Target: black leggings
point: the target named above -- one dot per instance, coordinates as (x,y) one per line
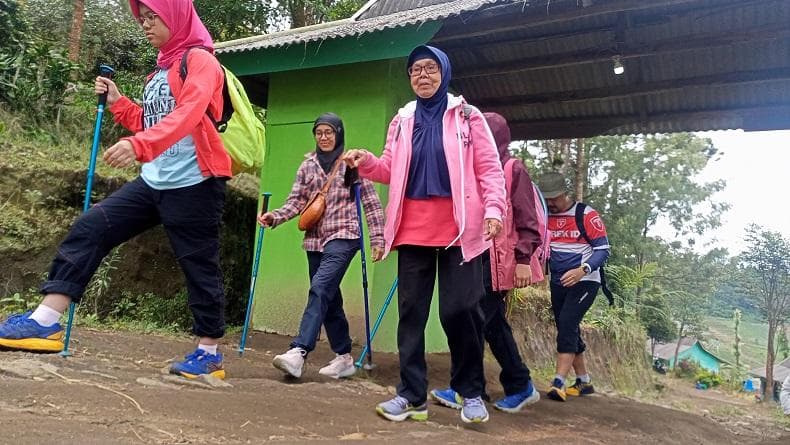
(569,305)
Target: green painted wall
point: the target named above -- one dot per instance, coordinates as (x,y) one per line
(366,95)
(702,357)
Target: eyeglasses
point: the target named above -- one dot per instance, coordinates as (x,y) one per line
(416,70)
(149,18)
(324,134)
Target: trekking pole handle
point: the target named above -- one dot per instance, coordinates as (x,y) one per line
(105,71)
(266,196)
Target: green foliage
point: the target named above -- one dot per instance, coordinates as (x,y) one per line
(655,316)
(26,218)
(34,80)
(634,181)
(342,9)
(234,19)
(19,302)
(12,24)
(765,272)
(688,312)
(782,346)
(532,300)
(708,379)
(164,312)
(686,369)
(736,348)
(97,288)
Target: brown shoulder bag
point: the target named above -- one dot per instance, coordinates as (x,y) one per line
(314,209)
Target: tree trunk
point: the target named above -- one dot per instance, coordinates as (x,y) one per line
(302,13)
(581,170)
(677,346)
(652,348)
(78,18)
(769,361)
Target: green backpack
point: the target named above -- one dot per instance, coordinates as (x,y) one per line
(241,131)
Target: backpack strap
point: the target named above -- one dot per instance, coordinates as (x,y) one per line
(222,124)
(467,110)
(579,216)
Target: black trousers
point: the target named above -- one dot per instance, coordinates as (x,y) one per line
(569,305)
(514,376)
(191,217)
(460,291)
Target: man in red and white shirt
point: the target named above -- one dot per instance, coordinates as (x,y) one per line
(577,255)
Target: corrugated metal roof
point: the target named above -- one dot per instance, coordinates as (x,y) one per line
(386,7)
(690,66)
(666,351)
(781,371)
(432,11)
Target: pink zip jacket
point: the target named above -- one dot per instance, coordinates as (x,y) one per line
(476,178)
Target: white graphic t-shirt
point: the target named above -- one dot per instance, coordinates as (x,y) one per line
(177,167)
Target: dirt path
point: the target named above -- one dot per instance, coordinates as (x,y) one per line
(97,396)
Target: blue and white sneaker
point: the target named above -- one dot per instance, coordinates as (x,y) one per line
(474,411)
(19,331)
(399,409)
(448,398)
(515,402)
(198,363)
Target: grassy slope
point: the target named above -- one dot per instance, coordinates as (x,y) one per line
(720,338)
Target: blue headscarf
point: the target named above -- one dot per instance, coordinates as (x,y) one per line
(428,173)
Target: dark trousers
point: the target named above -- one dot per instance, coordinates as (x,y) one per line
(325,302)
(191,218)
(460,291)
(514,376)
(569,305)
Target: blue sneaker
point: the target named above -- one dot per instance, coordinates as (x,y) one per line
(399,409)
(515,402)
(198,363)
(474,411)
(448,398)
(20,332)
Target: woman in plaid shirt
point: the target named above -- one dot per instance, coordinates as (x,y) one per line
(331,245)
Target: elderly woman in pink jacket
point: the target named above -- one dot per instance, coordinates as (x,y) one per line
(446,201)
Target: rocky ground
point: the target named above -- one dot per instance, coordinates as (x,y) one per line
(113,390)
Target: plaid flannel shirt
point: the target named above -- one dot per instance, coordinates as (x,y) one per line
(340,217)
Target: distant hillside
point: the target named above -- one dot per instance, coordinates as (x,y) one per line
(720,340)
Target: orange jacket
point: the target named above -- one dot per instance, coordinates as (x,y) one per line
(201,90)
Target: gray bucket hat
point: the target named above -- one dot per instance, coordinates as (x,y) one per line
(552,185)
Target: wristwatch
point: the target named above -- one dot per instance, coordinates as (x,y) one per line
(587,268)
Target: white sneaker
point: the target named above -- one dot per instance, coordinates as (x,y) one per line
(340,366)
(292,362)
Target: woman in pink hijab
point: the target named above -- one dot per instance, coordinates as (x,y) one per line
(181,186)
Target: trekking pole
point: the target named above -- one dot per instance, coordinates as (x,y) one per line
(254,278)
(104,71)
(376,325)
(358,199)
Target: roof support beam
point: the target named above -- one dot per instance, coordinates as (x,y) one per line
(605,53)
(771,117)
(641,89)
(562,12)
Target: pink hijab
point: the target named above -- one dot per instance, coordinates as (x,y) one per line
(186,29)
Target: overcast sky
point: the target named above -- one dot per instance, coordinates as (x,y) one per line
(756,166)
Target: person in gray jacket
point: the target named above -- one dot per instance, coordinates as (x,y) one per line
(784,396)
